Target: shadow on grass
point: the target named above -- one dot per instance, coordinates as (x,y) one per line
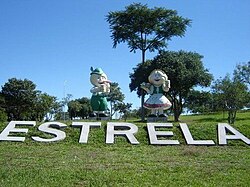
(210,119)
(220,119)
(145,121)
(243,119)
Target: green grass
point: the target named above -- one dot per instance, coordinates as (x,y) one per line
(68,163)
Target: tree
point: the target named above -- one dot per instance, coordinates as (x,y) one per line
(22,101)
(20,97)
(60,114)
(184,69)
(123,109)
(2,102)
(74,108)
(199,101)
(242,73)
(44,107)
(86,107)
(79,108)
(115,96)
(54,109)
(145,29)
(134,113)
(232,94)
(3,115)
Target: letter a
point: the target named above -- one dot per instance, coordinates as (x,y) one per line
(223,137)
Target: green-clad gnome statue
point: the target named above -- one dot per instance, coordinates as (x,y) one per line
(99,92)
(157,102)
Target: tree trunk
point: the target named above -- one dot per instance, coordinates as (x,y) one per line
(111,109)
(143,56)
(176,107)
(142,108)
(231,116)
(142,91)
(176,111)
(177,115)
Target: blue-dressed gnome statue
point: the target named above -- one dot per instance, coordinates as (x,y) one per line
(99,92)
(158,84)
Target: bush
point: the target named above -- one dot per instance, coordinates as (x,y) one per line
(3,116)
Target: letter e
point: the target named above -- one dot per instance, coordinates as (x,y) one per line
(152,133)
(11,127)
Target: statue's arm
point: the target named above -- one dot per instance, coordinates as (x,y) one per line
(146,87)
(166,86)
(95,89)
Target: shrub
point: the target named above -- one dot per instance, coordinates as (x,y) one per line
(3,115)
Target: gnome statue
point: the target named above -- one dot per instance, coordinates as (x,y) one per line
(99,92)
(158,84)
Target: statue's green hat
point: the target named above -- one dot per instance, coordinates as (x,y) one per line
(97,71)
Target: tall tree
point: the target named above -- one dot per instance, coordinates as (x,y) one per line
(74,108)
(124,109)
(86,107)
(44,107)
(54,109)
(242,73)
(79,108)
(145,29)
(3,115)
(2,102)
(115,96)
(199,101)
(185,70)
(232,95)
(20,97)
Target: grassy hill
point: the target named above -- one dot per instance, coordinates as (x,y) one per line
(68,163)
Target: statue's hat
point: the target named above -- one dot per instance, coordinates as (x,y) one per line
(97,71)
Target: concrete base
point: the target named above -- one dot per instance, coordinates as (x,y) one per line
(157,119)
(104,118)
(99,118)
(92,118)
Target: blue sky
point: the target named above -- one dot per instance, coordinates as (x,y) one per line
(55,42)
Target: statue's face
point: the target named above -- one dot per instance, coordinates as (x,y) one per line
(157,77)
(97,79)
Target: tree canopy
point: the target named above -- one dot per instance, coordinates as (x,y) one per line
(114,97)
(231,95)
(199,101)
(242,73)
(44,106)
(21,101)
(19,98)
(145,29)
(80,108)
